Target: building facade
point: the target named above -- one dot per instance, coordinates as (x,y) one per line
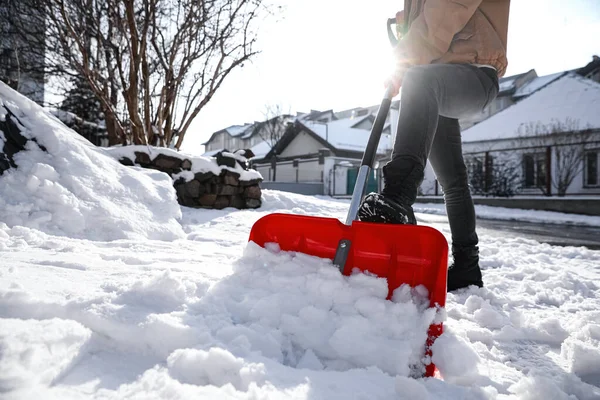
(22,48)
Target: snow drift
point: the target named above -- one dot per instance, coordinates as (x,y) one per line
(75,189)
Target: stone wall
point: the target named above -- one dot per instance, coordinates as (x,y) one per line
(11,141)
(203,189)
(223,181)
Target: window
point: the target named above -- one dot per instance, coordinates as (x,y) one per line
(534,170)
(591,169)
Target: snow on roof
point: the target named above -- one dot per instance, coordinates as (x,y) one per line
(536,84)
(569,98)
(341,134)
(236,130)
(507,84)
(260,150)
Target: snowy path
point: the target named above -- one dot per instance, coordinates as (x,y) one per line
(201,317)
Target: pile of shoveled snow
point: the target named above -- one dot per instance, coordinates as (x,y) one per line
(75,189)
(213,317)
(255,323)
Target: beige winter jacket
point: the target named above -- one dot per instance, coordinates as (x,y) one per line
(456,31)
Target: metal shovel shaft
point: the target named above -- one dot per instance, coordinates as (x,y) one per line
(369,156)
(343,249)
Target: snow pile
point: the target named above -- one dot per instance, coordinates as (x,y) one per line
(302,311)
(213,317)
(74,189)
(273,319)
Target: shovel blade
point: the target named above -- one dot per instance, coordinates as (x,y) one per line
(411,254)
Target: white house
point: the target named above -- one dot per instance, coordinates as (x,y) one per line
(517,87)
(315,153)
(259,137)
(546,144)
(320,152)
(322,149)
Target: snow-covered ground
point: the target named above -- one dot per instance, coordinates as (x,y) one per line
(131,296)
(511,214)
(211,316)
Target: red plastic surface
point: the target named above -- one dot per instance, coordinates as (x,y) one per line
(412,254)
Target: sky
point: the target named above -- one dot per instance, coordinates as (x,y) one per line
(335,54)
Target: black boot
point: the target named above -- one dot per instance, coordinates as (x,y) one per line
(465,270)
(402,177)
(379,208)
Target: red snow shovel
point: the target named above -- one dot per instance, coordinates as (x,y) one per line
(416,255)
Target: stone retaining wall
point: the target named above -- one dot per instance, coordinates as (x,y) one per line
(203,189)
(11,141)
(220,183)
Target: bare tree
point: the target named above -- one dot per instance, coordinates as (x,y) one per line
(497,174)
(272,129)
(153,64)
(567,141)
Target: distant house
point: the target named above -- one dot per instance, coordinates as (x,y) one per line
(316,152)
(259,137)
(22,53)
(517,87)
(517,145)
(545,144)
(320,152)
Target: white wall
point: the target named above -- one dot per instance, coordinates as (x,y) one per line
(217,143)
(507,150)
(307,171)
(302,144)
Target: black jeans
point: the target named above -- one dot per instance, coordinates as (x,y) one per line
(433,98)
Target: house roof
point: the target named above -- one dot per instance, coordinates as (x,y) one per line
(571,97)
(537,83)
(315,115)
(261,149)
(590,67)
(508,83)
(233,130)
(338,135)
(342,134)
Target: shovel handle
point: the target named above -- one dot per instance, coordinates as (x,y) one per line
(344,245)
(369,156)
(391,36)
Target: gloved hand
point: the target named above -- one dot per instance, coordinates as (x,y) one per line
(401,60)
(395,79)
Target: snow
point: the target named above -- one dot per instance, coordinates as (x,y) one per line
(511,214)
(236,130)
(74,189)
(536,84)
(568,98)
(507,84)
(341,135)
(260,150)
(199,163)
(207,315)
(211,316)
